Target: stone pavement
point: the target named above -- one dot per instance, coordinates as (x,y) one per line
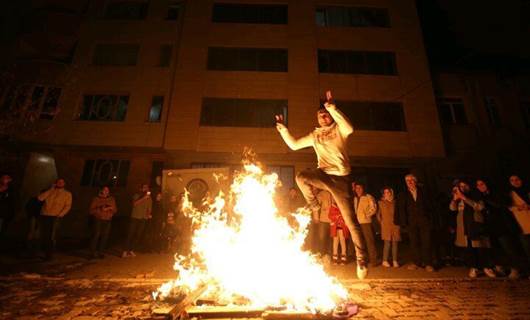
(72,287)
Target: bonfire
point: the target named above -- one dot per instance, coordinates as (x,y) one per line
(245,253)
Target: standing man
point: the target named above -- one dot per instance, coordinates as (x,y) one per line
(329,141)
(141,212)
(366,208)
(7,204)
(57,203)
(102,208)
(414,210)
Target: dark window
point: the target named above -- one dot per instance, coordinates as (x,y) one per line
(249,13)
(247,59)
(126,10)
(33,100)
(173,11)
(116,54)
(493,111)
(104,108)
(155,111)
(165,55)
(220,112)
(101,172)
(452,111)
(378,116)
(352,17)
(357,62)
(525,109)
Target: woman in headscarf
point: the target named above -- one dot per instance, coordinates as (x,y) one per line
(390,232)
(501,227)
(470,229)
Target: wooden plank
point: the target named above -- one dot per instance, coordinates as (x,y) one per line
(180,309)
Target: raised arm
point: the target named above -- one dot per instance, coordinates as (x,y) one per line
(292,142)
(344,124)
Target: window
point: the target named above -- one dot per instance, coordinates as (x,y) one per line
(356,62)
(247,59)
(378,116)
(103,172)
(352,17)
(104,108)
(173,11)
(165,55)
(35,101)
(220,112)
(452,111)
(249,13)
(116,55)
(155,111)
(493,111)
(126,10)
(525,109)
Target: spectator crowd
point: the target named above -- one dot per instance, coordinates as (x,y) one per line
(485,228)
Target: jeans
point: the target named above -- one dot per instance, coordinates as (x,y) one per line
(33,233)
(420,244)
(134,235)
(323,242)
(100,235)
(368,234)
(49,229)
(339,187)
(477,258)
(386,250)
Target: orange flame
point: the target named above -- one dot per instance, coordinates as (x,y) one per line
(252,254)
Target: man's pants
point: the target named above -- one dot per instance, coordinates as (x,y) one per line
(339,187)
(322,243)
(33,233)
(100,235)
(48,229)
(368,234)
(420,244)
(136,230)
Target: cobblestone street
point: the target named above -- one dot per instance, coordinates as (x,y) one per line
(71,295)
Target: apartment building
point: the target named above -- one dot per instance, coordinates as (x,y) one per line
(122,89)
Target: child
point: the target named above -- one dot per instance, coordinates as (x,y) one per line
(339,232)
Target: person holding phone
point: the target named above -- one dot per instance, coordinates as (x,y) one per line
(141,212)
(330,142)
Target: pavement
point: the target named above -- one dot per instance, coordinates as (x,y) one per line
(73,287)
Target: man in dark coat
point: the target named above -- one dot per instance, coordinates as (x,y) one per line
(414,210)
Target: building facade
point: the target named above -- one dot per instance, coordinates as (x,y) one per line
(117,90)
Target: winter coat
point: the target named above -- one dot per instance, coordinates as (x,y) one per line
(385,215)
(103,208)
(337,222)
(57,202)
(413,212)
(365,208)
(470,223)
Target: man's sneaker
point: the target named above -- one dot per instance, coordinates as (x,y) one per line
(473,273)
(362,271)
(132,254)
(385,264)
(490,273)
(514,274)
(429,268)
(125,254)
(412,267)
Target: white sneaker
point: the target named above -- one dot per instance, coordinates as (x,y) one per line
(125,254)
(385,264)
(362,271)
(489,272)
(473,273)
(396,264)
(132,254)
(514,274)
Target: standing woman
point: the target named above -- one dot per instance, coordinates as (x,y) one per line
(390,232)
(103,207)
(501,226)
(520,207)
(470,229)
